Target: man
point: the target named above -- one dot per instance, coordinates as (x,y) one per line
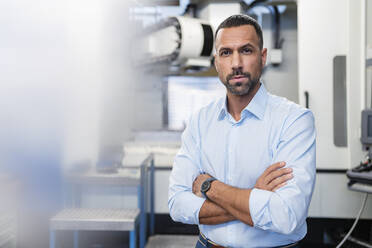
(246,170)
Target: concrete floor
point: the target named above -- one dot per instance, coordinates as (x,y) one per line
(172,241)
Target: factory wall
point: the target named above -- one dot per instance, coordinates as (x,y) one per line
(282,80)
(149,96)
(369,21)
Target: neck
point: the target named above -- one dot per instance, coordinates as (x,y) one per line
(236,103)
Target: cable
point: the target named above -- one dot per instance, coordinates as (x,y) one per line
(359,242)
(355,222)
(278,42)
(190,7)
(246,7)
(255,3)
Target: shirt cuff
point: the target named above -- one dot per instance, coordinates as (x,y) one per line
(258,207)
(199,203)
(187,207)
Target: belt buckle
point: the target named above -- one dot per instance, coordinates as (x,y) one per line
(209,243)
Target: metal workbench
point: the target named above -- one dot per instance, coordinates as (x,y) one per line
(136,172)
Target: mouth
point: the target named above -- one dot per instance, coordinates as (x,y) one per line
(237,79)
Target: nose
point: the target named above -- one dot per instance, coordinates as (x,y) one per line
(236,62)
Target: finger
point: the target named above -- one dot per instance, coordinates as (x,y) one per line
(279,180)
(273,167)
(201,177)
(194,188)
(195,185)
(277,173)
(279,186)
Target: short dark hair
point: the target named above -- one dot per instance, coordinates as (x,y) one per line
(240,20)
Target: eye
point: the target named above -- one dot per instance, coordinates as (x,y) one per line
(246,50)
(224,53)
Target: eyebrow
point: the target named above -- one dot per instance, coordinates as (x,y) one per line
(243,46)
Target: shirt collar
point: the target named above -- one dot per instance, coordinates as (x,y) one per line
(257,105)
(222,108)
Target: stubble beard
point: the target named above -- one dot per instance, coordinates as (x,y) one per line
(241,89)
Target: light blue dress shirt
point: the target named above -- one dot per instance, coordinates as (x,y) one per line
(271,129)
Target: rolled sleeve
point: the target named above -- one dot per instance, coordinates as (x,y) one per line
(184,205)
(285,210)
(258,202)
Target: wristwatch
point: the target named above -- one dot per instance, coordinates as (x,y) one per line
(206,185)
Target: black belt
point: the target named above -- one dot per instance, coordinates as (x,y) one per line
(207,242)
(210,244)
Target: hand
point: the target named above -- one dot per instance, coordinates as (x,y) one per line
(198,182)
(274,177)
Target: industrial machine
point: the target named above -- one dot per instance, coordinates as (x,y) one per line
(186,42)
(178,41)
(361,175)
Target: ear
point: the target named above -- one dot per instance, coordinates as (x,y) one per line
(263,57)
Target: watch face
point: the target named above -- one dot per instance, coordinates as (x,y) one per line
(205,186)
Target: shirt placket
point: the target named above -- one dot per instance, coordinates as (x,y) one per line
(231,166)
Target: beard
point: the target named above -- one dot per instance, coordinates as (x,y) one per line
(241,88)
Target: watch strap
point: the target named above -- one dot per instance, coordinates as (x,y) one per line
(209,180)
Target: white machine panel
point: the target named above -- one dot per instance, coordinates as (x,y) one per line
(320,39)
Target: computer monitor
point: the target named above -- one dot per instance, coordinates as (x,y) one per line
(367,127)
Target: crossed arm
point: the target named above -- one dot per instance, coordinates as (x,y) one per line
(266,205)
(226,203)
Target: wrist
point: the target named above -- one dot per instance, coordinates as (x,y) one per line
(206,186)
(212,192)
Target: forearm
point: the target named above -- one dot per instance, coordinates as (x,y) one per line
(236,201)
(233,200)
(216,219)
(212,214)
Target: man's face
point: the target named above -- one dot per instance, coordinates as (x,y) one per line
(239,59)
